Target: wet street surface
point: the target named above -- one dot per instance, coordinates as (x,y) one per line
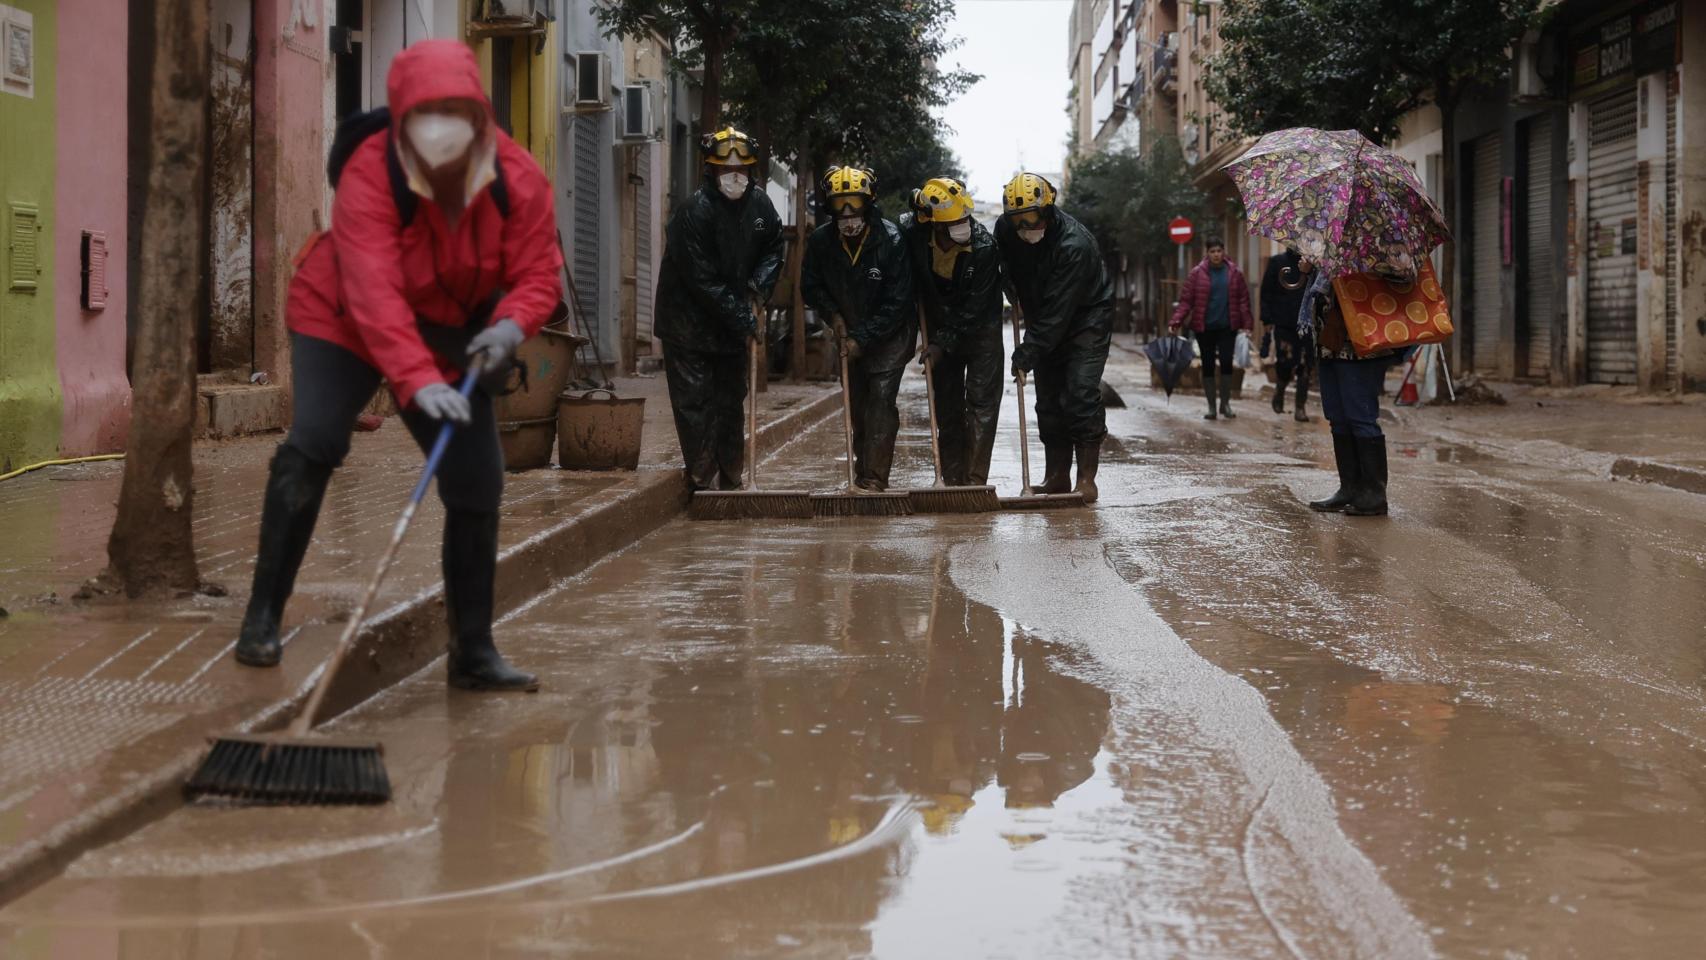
(1195,721)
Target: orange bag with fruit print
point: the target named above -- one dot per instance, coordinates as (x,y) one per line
(1383,314)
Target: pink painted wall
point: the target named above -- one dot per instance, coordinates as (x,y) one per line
(90,195)
(292,80)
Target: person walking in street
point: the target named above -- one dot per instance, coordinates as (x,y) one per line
(1283,283)
(722,257)
(1215,305)
(442,250)
(956,270)
(856,269)
(1059,279)
(1350,398)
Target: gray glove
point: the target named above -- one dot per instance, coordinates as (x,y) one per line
(498,341)
(441,401)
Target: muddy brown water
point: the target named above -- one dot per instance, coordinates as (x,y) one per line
(1195,722)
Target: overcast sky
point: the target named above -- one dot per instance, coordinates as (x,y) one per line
(1016,115)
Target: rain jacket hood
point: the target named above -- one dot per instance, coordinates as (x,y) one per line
(376,279)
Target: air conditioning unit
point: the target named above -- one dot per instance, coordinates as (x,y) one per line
(641,110)
(592,78)
(1528,73)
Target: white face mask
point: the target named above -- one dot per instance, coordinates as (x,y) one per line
(960,232)
(1034,235)
(851,226)
(438,138)
(733,185)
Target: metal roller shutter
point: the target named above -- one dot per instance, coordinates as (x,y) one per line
(1537,318)
(1611,238)
(589,149)
(643,282)
(1484,288)
(1672,279)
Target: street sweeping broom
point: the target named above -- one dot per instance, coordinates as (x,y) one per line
(1028,498)
(751,503)
(851,503)
(941,498)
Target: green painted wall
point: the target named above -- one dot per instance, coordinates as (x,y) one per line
(29,378)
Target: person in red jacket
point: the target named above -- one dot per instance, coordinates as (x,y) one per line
(1215,304)
(442,249)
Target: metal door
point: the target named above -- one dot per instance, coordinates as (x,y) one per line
(585,246)
(1484,247)
(644,265)
(1538,250)
(1611,238)
(1672,279)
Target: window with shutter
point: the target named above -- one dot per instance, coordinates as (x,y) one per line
(23,248)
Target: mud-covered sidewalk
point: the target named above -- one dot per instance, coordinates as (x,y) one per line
(105,705)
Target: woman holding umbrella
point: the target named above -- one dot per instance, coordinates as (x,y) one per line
(1350,207)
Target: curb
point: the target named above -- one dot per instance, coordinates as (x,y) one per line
(400,642)
(1686,479)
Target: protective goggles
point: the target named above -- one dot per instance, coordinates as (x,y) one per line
(1028,219)
(847,206)
(731,152)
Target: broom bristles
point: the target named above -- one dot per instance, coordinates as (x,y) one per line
(750,505)
(1043,501)
(955,500)
(861,504)
(265,770)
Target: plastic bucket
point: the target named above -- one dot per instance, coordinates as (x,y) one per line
(548,359)
(599,432)
(527,443)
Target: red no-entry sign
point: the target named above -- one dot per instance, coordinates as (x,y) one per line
(1179,230)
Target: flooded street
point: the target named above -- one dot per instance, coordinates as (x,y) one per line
(1195,721)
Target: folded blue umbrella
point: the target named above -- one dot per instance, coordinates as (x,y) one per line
(1171,357)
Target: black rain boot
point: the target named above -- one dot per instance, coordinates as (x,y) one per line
(1226,397)
(1208,391)
(1089,457)
(1370,499)
(1280,386)
(1297,412)
(295,487)
(1057,468)
(470,567)
(1350,482)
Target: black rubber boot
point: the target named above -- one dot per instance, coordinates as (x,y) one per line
(1089,457)
(295,487)
(470,568)
(1297,412)
(1057,468)
(1370,499)
(1226,398)
(1208,391)
(1350,475)
(1280,386)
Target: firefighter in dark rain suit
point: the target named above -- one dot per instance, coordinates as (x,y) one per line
(856,268)
(1056,271)
(722,256)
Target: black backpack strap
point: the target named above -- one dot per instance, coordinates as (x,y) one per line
(352,132)
(500,189)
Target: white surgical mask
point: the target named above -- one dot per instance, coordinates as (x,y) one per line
(851,226)
(1034,235)
(960,232)
(733,185)
(438,138)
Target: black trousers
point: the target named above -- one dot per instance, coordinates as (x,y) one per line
(706,392)
(1214,344)
(968,403)
(873,385)
(330,388)
(1069,390)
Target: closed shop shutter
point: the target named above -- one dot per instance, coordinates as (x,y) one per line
(1611,238)
(588,200)
(1672,279)
(1537,317)
(643,279)
(1485,247)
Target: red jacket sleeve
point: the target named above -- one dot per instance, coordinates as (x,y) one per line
(532,260)
(365,231)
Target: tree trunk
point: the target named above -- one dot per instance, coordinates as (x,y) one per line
(710,92)
(1447,102)
(796,265)
(151,548)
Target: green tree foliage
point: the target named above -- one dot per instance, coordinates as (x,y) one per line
(1127,198)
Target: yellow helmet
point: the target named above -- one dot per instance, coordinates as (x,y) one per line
(849,189)
(944,200)
(1027,199)
(729,147)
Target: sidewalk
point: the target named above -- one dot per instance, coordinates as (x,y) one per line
(105,706)
(1611,432)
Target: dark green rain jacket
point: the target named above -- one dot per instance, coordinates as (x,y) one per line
(716,253)
(1061,283)
(971,301)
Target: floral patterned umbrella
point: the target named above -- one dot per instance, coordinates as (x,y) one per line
(1338,199)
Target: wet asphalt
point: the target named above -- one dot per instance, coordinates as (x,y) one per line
(1195,721)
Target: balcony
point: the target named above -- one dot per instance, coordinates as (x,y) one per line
(1166,70)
